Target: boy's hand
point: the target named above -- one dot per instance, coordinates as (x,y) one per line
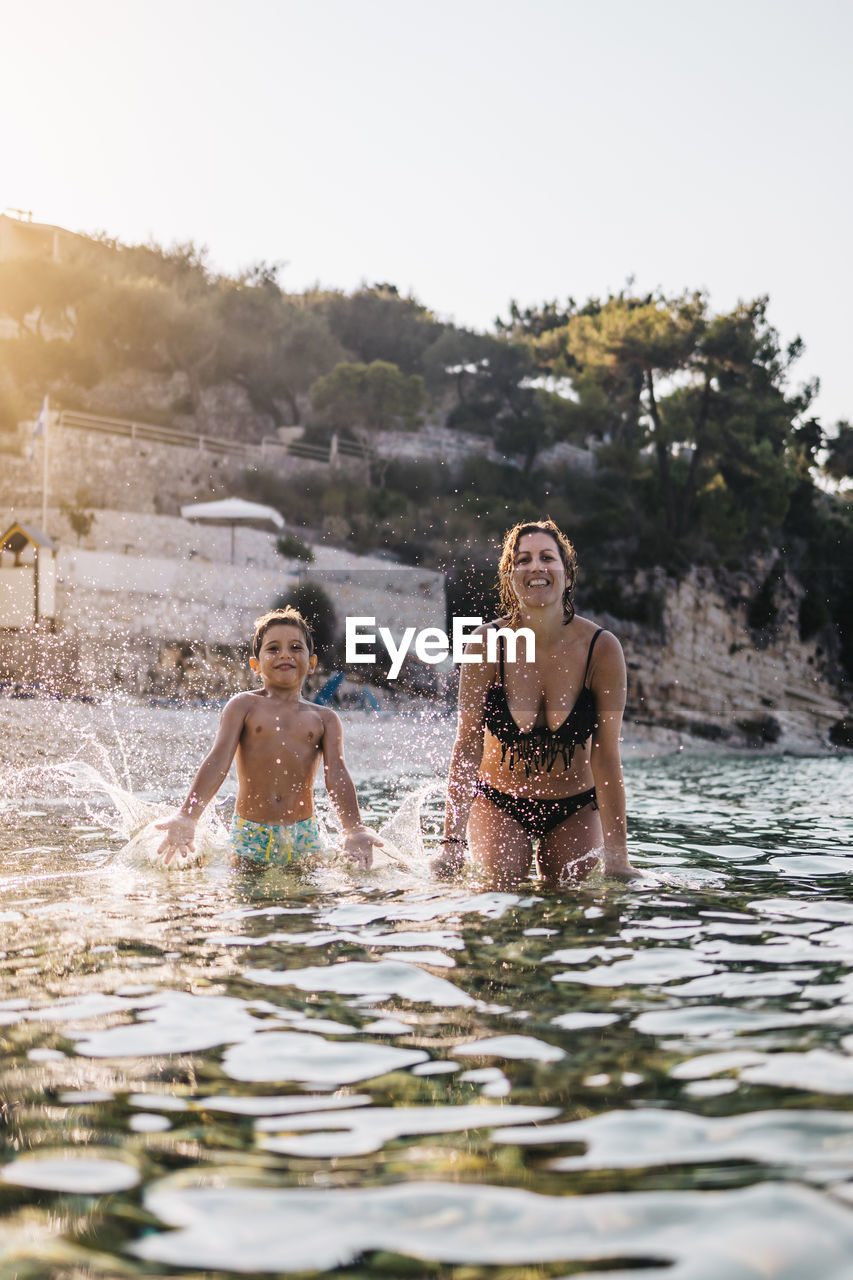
(179,840)
(358,845)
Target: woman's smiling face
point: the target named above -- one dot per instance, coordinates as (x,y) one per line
(538,575)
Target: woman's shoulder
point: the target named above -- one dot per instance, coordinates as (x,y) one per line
(602,645)
(589,630)
(605,659)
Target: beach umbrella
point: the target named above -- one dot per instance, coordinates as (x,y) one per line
(233,511)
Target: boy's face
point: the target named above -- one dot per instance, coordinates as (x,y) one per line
(283,661)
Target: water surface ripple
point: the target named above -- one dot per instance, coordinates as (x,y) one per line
(389,1076)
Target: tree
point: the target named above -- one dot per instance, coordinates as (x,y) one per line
(455,359)
(79,519)
(519,423)
(839,459)
(272,345)
(145,322)
(706,395)
(367,398)
(536,320)
(376,323)
(38,292)
(293,548)
(500,394)
(312,601)
(124,322)
(182,267)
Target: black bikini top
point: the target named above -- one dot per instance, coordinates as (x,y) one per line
(540,747)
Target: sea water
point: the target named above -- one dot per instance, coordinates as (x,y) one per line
(212,1072)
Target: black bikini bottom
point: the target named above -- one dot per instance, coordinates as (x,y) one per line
(537,817)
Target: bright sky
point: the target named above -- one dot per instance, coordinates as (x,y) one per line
(471,151)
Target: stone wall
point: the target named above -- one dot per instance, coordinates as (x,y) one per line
(434,443)
(113,471)
(116,471)
(138,533)
(224,410)
(153,604)
(102,592)
(705,673)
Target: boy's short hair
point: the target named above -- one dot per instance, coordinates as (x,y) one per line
(288,617)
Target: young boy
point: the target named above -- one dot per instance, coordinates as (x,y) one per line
(279,739)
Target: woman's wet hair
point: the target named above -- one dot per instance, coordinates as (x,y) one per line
(288,617)
(506,565)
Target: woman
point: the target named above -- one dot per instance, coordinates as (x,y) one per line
(536,756)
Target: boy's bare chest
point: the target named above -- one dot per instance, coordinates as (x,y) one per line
(299,730)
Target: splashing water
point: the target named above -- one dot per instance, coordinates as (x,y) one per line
(404,829)
(134,814)
(291,1074)
(401,850)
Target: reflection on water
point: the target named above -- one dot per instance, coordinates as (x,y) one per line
(392,1076)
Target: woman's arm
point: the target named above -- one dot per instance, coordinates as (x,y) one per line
(609,686)
(465,760)
(212,772)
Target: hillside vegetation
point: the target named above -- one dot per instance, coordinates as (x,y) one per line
(706,448)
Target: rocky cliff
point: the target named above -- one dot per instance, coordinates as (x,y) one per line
(712,670)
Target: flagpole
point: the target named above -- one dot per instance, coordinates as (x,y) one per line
(44,465)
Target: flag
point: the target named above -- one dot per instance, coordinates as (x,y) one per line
(39,427)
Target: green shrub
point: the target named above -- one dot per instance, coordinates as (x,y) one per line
(317,609)
(294,548)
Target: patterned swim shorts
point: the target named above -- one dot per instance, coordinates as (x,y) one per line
(266,842)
